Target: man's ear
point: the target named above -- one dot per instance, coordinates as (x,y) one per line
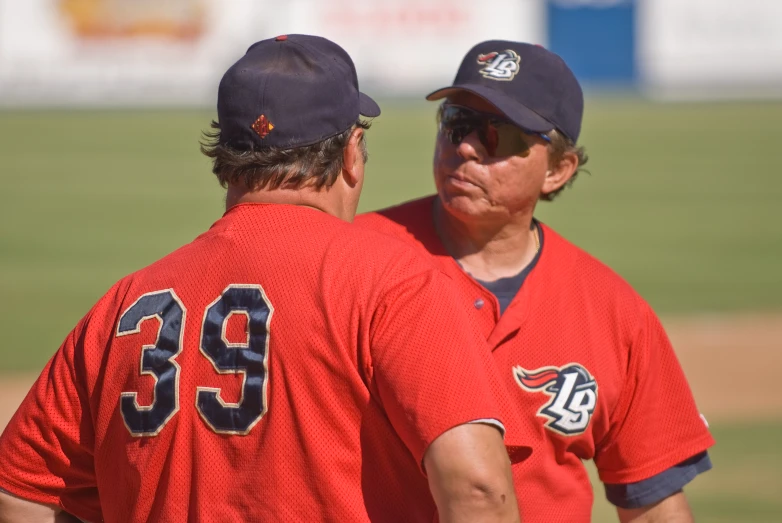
(353,159)
(559,174)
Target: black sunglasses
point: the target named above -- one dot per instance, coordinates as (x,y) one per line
(497,135)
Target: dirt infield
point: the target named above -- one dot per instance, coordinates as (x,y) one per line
(733,364)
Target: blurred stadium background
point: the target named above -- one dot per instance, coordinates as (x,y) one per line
(102,103)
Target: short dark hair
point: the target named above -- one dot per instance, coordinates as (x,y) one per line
(558,146)
(317,165)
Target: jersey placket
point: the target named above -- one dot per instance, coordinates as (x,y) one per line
(482,304)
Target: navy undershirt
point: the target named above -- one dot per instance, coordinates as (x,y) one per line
(659,487)
(630,495)
(505,289)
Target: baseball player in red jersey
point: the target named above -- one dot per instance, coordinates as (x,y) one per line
(580,351)
(284,366)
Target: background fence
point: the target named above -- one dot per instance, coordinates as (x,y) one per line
(164,52)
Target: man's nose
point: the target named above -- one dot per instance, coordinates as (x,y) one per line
(471,148)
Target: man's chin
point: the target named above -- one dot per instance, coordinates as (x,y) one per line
(465,207)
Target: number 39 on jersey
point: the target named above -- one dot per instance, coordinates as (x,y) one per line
(249,358)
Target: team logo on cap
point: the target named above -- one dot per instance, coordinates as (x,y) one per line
(573,394)
(499,65)
(262,126)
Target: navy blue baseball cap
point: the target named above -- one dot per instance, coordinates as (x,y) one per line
(533,87)
(290,91)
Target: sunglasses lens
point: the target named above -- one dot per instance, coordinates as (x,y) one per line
(457,133)
(510,141)
(454,114)
(490,138)
(498,138)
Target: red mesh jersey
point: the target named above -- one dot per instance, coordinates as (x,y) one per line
(284,366)
(584,356)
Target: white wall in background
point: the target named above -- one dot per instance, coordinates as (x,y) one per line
(173,52)
(700,49)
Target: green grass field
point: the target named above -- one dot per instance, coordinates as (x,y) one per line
(685,201)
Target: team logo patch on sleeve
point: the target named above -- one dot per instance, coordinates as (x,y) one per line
(499,65)
(573,394)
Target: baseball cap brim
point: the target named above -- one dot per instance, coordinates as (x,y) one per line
(519,114)
(367,106)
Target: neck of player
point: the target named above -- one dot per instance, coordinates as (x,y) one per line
(488,251)
(338,198)
(329,200)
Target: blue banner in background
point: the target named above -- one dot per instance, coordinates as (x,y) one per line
(596,38)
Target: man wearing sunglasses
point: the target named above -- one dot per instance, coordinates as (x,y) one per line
(581,352)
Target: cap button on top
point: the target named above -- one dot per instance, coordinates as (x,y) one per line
(281,38)
(478,303)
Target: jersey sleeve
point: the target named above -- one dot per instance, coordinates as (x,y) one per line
(658,487)
(46,450)
(429,368)
(656,424)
